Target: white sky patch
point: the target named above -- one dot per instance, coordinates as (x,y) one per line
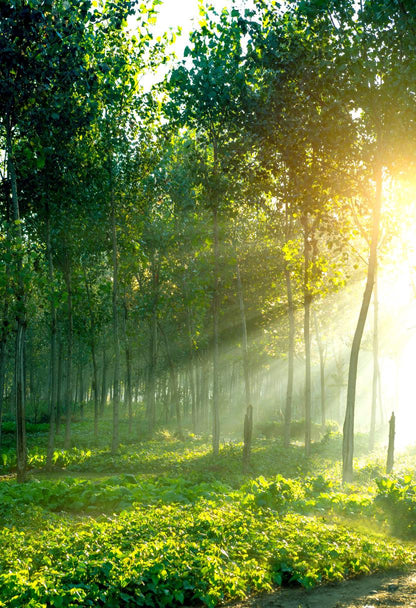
(184,14)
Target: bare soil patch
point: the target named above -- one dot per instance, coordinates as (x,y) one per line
(391,589)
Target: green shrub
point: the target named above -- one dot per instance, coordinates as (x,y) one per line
(397,497)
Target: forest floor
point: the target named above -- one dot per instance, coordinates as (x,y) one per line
(165,523)
(392,589)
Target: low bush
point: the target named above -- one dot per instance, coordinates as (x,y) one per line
(397,497)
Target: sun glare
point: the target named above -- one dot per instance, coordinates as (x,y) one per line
(397,298)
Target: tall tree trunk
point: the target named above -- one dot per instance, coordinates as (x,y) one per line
(375,367)
(4,330)
(68,392)
(216,371)
(82,390)
(198,391)
(390,450)
(60,382)
(151,377)
(2,376)
(291,356)
(248,433)
(116,342)
(191,369)
(21,451)
(53,383)
(321,351)
(192,391)
(104,387)
(348,431)
(127,395)
(246,365)
(307,338)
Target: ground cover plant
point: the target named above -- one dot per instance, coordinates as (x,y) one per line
(179,527)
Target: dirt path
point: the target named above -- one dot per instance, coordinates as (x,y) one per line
(392,589)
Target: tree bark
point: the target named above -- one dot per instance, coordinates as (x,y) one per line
(81,390)
(53,384)
(348,430)
(246,366)
(116,342)
(307,339)
(68,392)
(321,351)
(216,371)
(2,374)
(104,382)
(60,381)
(128,395)
(248,433)
(151,378)
(191,370)
(21,450)
(291,356)
(375,367)
(4,330)
(390,451)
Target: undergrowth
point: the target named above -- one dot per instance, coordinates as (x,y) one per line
(164,523)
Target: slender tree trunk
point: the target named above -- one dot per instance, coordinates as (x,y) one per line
(348,431)
(321,351)
(390,451)
(68,396)
(116,341)
(60,383)
(246,365)
(104,381)
(151,383)
(205,389)
(198,392)
(31,365)
(95,385)
(53,383)
(307,339)
(191,377)
(21,451)
(375,367)
(216,371)
(128,395)
(175,398)
(3,343)
(291,356)
(191,370)
(2,376)
(248,433)
(82,391)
